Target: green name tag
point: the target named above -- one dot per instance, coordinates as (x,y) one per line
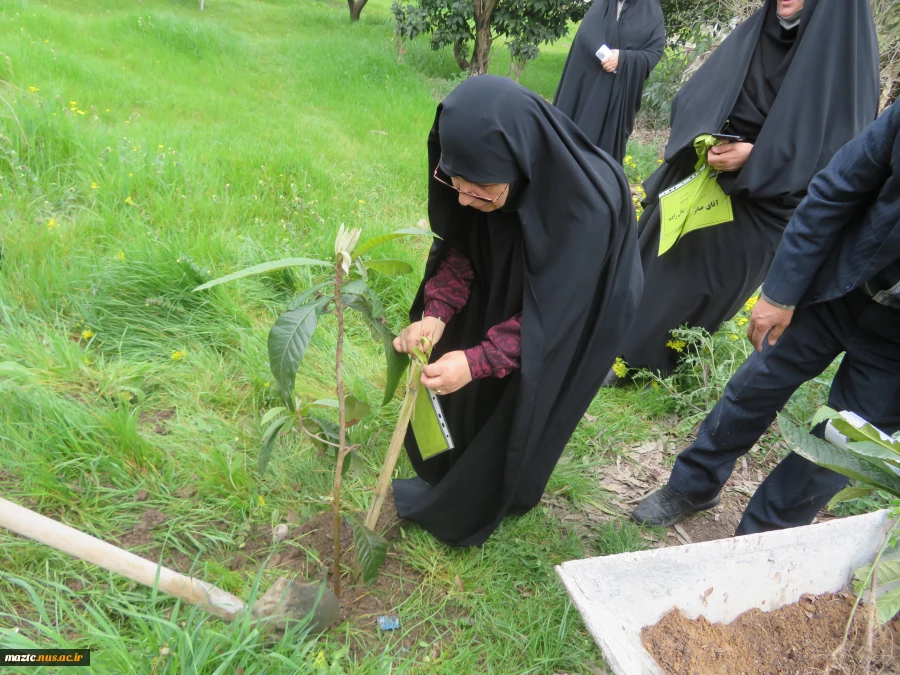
(695,203)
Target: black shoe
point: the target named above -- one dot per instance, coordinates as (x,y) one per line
(667,506)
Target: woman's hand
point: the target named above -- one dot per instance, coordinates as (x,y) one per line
(729,156)
(448,374)
(611,62)
(429,327)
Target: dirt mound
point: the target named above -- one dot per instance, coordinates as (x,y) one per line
(797,639)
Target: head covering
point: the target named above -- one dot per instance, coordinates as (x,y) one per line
(565,256)
(822,92)
(604,105)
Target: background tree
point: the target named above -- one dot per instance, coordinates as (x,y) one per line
(470,26)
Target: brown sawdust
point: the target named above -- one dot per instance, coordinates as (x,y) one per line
(797,639)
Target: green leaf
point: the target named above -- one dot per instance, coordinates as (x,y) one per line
(844,462)
(310,294)
(822,414)
(849,493)
(397,364)
(375,242)
(324,429)
(371,549)
(389,267)
(355,287)
(353,465)
(354,410)
(288,340)
(269,416)
(268,441)
(888,605)
(264,267)
(321,403)
(875,450)
(864,433)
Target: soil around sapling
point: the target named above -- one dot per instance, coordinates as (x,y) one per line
(307,554)
(798,639)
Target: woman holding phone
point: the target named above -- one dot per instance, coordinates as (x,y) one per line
(790,85)
(617,46)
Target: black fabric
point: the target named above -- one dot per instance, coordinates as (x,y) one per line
(867,383)
(799,95)
(565,255)
(604,105)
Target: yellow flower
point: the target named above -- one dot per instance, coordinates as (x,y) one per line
(120,255)
(80,112)
(160,147)
(620,368)
(128,200)
(51,224)
(73,103)
(734,337)
(87,334)
(266,384)
(93,186)
(261,500)
(320,661)
(33,89)
(751,303)
(677,345)
(659,161)
(362,201)
(178,355)
(742,321)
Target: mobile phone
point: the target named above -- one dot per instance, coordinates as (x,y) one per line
(603,53)
(729,138)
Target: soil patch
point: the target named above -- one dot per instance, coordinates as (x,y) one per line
(798,638)
(308,552)
(648,136)
(158,419)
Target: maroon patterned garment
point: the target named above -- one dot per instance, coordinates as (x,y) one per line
(447,292)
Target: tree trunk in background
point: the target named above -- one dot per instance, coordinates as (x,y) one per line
(356,8)
(461,59)
(481,54)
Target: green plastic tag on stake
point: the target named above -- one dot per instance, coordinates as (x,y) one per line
(694,203)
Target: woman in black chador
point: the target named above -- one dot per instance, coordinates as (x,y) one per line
(526,296)
(603,97)
(796,81)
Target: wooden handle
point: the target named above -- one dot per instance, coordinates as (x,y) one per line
(85,547)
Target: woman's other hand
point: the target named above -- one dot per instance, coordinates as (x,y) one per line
(611,62)
(729,156)
(448,374)
(429,327)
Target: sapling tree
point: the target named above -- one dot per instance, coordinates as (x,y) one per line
(872,459)
(342,285)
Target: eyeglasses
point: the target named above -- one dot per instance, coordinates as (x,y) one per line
(486,200)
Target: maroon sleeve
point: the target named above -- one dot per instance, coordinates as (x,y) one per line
(500,353)
(448,290)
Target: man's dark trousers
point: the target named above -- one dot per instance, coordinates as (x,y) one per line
(867,383)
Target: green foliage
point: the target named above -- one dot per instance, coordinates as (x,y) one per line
(371,548)
(874,461)
(525,24)
(288,339)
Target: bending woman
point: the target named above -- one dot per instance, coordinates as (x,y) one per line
(603,97)
(796,80)
(526,297)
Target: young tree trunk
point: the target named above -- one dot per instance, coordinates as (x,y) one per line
(342,431)
(481,54)
(356,8)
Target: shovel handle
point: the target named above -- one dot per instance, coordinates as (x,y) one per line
(90,549)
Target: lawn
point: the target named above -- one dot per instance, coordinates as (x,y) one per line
(148,147)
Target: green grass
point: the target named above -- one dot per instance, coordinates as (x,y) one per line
(148,147)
